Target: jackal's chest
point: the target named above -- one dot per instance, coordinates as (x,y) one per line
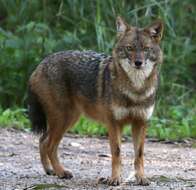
(140,112)
(128,103)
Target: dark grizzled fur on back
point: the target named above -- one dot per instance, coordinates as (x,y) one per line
(77,71)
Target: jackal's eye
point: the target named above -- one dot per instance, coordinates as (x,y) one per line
(129,48)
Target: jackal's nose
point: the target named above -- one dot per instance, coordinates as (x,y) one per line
(138,63)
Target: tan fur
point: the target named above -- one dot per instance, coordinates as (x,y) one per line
(125,95)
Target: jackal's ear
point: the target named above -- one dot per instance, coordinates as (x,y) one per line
(121,25)
(156,30)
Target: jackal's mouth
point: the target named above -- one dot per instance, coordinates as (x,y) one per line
(138,67)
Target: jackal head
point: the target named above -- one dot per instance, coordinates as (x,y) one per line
(138,49)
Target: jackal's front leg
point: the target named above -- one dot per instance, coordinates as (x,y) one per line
(115,145)
(138,134)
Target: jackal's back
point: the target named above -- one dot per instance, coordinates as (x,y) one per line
(75,72)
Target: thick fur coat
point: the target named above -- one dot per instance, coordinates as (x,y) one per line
(114,90)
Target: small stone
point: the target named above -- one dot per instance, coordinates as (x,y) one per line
(74,144)
(104,155)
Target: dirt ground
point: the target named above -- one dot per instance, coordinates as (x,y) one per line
(168,166)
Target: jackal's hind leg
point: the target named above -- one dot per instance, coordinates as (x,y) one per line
(44,155)
(58,125)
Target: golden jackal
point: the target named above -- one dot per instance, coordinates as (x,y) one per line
(114,90)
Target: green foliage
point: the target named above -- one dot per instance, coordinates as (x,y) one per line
(88,127)
(14,118)
(178,124)
(30,30)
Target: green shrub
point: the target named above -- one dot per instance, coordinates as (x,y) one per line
(175,127)
(30,30)
(15,117)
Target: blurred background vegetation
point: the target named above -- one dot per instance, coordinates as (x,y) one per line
(32,29)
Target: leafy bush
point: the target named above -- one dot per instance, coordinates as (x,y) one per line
(30,30)
(14,117)
(175,127)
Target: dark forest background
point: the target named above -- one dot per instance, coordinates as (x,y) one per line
(32,29)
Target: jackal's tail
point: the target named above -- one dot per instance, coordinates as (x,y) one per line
(36,113)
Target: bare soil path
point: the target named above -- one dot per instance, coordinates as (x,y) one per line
(168,166)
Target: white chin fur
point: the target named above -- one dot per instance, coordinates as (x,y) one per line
(137,76)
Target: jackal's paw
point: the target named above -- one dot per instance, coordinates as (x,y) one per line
(66,174)
(50,172)
(141,180)
(113,181)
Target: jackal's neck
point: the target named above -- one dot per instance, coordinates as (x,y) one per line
(115,81)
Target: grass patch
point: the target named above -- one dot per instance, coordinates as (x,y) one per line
(87,126)
(15,118)
(179,126)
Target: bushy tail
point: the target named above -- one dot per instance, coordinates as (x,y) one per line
(36,113)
